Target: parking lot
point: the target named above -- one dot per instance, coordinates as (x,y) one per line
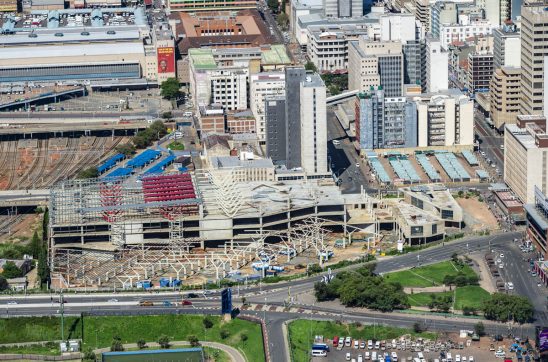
(406,349)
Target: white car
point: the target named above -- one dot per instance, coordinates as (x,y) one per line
(510,285)
(358,165)
(348,358)
(377,344)
(367,355)
(370,344)
(348,341)
(457,358)
(500,354)
(501,266)
(113,300)
(12,302)
(356,344)
(362,345)
(501,255)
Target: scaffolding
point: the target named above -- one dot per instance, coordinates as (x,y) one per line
(181,257)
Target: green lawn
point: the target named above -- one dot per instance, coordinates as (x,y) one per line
(471,296)
(36,329)
(97,332)
(176,146)
(51,349)
(302,332)
(429,275)
(423,299)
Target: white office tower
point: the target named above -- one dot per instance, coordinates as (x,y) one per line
(400,27)
(313,125)
(437,66)
(262,85)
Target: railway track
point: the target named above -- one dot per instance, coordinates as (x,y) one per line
(12,164)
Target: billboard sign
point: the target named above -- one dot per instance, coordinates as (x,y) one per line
(166,60)
(226,301)
(543,340)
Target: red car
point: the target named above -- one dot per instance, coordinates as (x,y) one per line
(186,302)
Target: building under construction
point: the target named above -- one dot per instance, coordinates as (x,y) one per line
(112,231)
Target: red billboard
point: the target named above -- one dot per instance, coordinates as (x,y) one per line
(166,60)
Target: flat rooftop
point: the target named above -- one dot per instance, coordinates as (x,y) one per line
(436,194)
(522,136)
(276,54)
(414,216)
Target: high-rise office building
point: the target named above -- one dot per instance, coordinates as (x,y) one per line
(262,85)
(313,125)
(296,126)
(496,11)
(442,12)
(276,137)
(343,8)
(445,119)
(385,122)
(480,71)
(373,64)
(506,41)
(534,50)
(437,66)
(293,79)
(504,96)
(414,63)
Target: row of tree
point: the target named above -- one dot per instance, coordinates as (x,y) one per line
(363,288)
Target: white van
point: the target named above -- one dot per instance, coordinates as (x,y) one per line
(374,356)
(394,356)
(449,357)
(319,353)
(421,356)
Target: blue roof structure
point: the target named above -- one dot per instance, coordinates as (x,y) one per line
(404,169)
(470,158)
(120,172)
(431,172)
(110,163)
(143,159)
(159,167)
(452,167)
(482,174)
(379,170)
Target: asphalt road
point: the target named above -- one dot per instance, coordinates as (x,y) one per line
(490,141)
(343,158)
(275,295)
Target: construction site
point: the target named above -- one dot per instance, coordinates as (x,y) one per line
(40,163)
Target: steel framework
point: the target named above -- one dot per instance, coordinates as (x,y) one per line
(182,257)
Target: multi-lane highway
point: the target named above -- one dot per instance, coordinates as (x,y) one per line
(276,295)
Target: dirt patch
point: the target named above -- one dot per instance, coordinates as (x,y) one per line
(480,216)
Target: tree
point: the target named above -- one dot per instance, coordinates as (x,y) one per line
(35,245)
(116,345)
(43,268)
(10,270)
(90,172)
(283,21)
(208,323)
(418,327)
(310,66)
(89,356)
(167,115)
(224,333)
(479,328)
(3,284)
(126,149)
(503,307)
(163,341)
(170,88)
(334,90)
(141,344)
(193,340)
(273,5)
(243,337)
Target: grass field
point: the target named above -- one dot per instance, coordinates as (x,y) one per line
(423,299)
(429,275)
(302,332)
(36,329)
(97,332)
(469,296)
(52,349)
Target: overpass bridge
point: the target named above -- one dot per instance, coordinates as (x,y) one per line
(18,131)
(24,198)
(339,98)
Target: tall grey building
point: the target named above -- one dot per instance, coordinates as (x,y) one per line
(343,8)
(296,126)
(293,78)
(385,122)
(414,63)
(443,12)
(276,136)
(506,41)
